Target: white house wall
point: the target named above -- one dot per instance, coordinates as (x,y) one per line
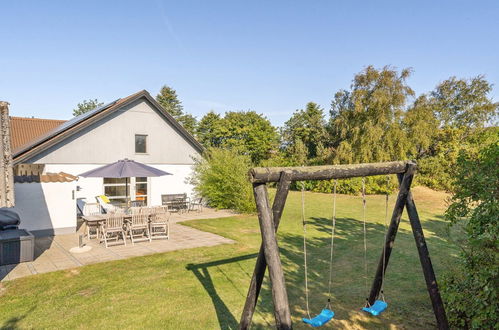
(113,138)
(91,187)
(46,208)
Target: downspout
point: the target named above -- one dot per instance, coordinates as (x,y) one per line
(6,163)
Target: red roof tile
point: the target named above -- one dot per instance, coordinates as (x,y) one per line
(26,130)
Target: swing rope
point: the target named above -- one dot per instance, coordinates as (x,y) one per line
(387,196)
(332,246)
(304,244)
(333,229)
(365,235)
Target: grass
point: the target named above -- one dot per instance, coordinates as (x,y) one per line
(206,287)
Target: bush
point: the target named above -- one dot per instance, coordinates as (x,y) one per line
(471,290)
(222,178)
(374,185)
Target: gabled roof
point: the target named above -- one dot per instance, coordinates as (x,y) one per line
(25,130)
(80,122)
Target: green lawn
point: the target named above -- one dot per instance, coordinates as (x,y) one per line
(205,288)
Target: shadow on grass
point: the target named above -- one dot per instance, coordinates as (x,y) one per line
(409,305)
(351,285)
(225,318)
(13,322)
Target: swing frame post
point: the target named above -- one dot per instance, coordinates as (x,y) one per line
(261,263)
(424,258)
(271,251)
(269,221)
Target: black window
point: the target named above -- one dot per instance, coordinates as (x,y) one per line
(140,144)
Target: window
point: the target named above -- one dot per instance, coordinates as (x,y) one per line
(140,144)
(141,189)
(114,188)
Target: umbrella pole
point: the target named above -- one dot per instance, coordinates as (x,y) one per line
(126,193)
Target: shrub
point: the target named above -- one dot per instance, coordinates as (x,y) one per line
(374,185)
(221,177)
(471,290)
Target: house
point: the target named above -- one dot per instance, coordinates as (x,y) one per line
(135,127)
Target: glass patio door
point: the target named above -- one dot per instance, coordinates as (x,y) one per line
(116,189)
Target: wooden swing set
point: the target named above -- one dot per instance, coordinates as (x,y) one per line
(269,218)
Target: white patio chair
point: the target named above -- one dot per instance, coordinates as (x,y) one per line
(138,227)
(160,223)
(92,227)
(112,228)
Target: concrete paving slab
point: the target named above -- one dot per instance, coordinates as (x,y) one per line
(53,253)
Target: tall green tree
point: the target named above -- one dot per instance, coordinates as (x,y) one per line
(249,132)
(208,128)
(169,100)
(451,119)
(85,106)
(366,121)
(464,102)
(422,127)
(307,126)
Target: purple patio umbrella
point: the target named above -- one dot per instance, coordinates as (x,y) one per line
(125,168)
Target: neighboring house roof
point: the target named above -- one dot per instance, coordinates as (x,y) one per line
(80,122)
(25,130)
(47,177)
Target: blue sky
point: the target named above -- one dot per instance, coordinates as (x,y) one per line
(267,56)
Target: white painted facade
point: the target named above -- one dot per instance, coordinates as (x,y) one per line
(157,186)
(46,208)
(110,139)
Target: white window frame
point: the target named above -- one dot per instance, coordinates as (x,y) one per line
(132,189)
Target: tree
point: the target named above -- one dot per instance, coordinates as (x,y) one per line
(446,122)
(247,132)
(421,124)
(366,120)
(208,128)
(464,102)
(471,291)
(308,126)
(168,99)
(86,106)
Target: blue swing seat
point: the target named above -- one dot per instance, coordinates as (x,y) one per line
(325,316)
(377,308)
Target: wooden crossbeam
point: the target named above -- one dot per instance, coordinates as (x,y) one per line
(327,172)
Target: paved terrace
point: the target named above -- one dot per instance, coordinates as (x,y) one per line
(52,253)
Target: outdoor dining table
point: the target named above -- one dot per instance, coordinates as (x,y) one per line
(98,218)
